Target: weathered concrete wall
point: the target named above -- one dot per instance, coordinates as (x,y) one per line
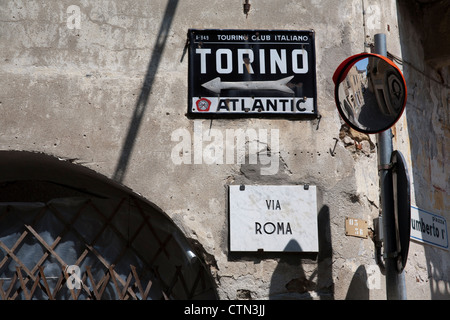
(111,93)
(423,136)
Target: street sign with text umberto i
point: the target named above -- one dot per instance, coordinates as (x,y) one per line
(252,73)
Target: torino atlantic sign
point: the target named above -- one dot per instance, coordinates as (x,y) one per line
(252,72)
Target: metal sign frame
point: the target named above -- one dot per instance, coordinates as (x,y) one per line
(252,73)
(402,207)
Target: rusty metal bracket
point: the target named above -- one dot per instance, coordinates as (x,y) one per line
(387,166)
(247,6)
(332,152)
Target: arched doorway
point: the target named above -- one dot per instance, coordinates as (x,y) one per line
(67,232)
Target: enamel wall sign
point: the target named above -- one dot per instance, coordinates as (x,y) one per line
(251,73)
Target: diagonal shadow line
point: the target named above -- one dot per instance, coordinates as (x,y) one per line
(141,105)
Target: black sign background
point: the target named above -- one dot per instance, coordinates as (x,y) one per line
(303,85)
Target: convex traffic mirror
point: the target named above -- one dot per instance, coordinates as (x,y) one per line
(370,92)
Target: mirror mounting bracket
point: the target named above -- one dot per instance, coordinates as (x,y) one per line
(387,166)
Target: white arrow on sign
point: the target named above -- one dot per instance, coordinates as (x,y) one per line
(216,85)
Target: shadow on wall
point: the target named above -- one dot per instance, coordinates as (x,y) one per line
(289,280)
(141,104)
(358,287)
(427,112)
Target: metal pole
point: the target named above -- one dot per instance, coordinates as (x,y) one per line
(395,281)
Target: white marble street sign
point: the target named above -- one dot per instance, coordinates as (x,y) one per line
(273,218)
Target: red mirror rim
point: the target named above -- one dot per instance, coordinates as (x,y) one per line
(341,73)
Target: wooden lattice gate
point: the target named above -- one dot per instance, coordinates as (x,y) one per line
(95,249)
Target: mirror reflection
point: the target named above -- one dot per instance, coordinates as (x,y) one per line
(371,96)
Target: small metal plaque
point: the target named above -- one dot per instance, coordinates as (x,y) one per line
(356,228)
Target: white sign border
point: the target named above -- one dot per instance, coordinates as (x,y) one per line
(313,248)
